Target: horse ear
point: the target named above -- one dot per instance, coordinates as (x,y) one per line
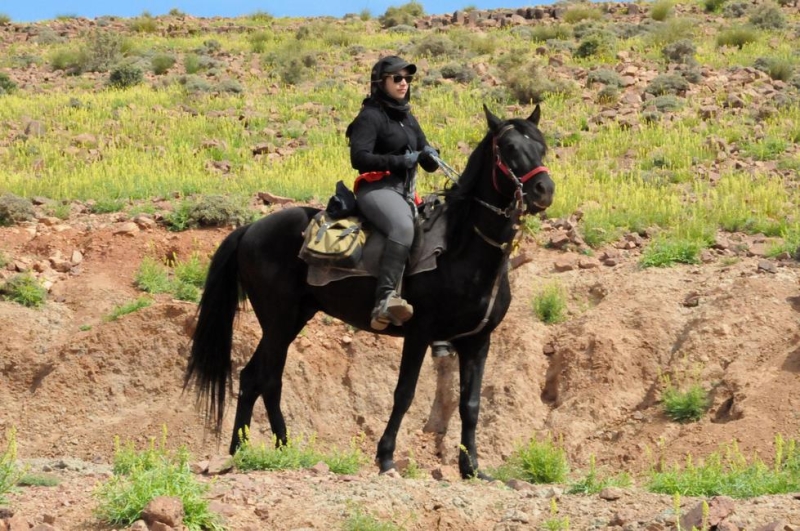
(535,115)
(491,119)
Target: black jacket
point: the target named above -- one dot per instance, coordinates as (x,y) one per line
(380,136)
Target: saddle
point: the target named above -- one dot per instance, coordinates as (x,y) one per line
(429,243)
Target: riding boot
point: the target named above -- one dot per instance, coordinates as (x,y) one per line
(390,307)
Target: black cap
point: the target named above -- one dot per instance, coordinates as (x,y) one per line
(390,65)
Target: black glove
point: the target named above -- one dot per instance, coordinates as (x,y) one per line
(410,159)
(426,157)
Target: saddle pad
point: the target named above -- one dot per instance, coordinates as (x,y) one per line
(430,244)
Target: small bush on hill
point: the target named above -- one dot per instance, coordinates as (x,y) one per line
(458,72)
(598,43)
(673,30)
(230,86)
(536,462)
(664,252)
(688,405)
(713,6)
(141,476)
(14,209)
(10,472)
(405,14)
(209,211)
(604,76)
(4,19)
(125,75)
(608,95)
(435,45)
(666,103)
(24,289)
(736,9)
(595,481)
(681,51)
(667,84)
(7,85)
(550,304)
(775,67)
(579,12)
(767,17)
(545,33)
(529,85)
(738,37)
(102,50)
(144,24)
(161,63)
(661,10)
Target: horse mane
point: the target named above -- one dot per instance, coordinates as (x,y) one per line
(459,197)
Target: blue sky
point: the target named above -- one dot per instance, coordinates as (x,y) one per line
(32,10)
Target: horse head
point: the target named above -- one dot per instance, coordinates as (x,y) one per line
(518,150)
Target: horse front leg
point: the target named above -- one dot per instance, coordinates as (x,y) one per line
(472,354)
(413,354)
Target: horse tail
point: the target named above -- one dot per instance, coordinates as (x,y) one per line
(210,358)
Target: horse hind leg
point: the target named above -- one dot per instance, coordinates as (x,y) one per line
(263,374)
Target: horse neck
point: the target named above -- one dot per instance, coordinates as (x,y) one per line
(473,217)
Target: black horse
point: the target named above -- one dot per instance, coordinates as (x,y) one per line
(462,300)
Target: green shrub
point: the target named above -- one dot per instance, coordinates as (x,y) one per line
(38,480)
(673,30)
(580,12)
(713,6)
(70,61)
(7,85)
(550,304)
(24,289)
(688,405)
(194,84)
(458,72)
(536,462)
(405,14)
(737,37)
(681,51)
(598,43)
(666,103)
(544,33)
(143,24)
(230,86)
(435,45)
(125,76)
(192,271)
(604,76)
(210,211)
(767,17)
(736,9)
(667,84)
(729,473)
(608,95)
(258,41)
(152,276)
(125,309)
(295,454)
(528,84)
(359,520)
(595,481)
(101,52)
(141,476)
(191,63)
(776,68)
(161,63)
(664,252)
(14,209)
(4,19)
(106,206)
(10,472)
(661,10)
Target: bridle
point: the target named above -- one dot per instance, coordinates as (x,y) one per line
(516,209)
(513,212)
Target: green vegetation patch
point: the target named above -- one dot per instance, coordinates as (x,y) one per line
(295,454)
(730,473)
(550,304)
(140,476)
(24,289)
(130,307)
(14,209)
(10,472)
(538,461)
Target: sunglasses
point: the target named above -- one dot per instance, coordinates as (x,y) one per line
(397,78)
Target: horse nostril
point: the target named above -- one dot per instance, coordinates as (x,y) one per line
(544,188)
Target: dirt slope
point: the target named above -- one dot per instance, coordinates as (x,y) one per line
(70,382)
